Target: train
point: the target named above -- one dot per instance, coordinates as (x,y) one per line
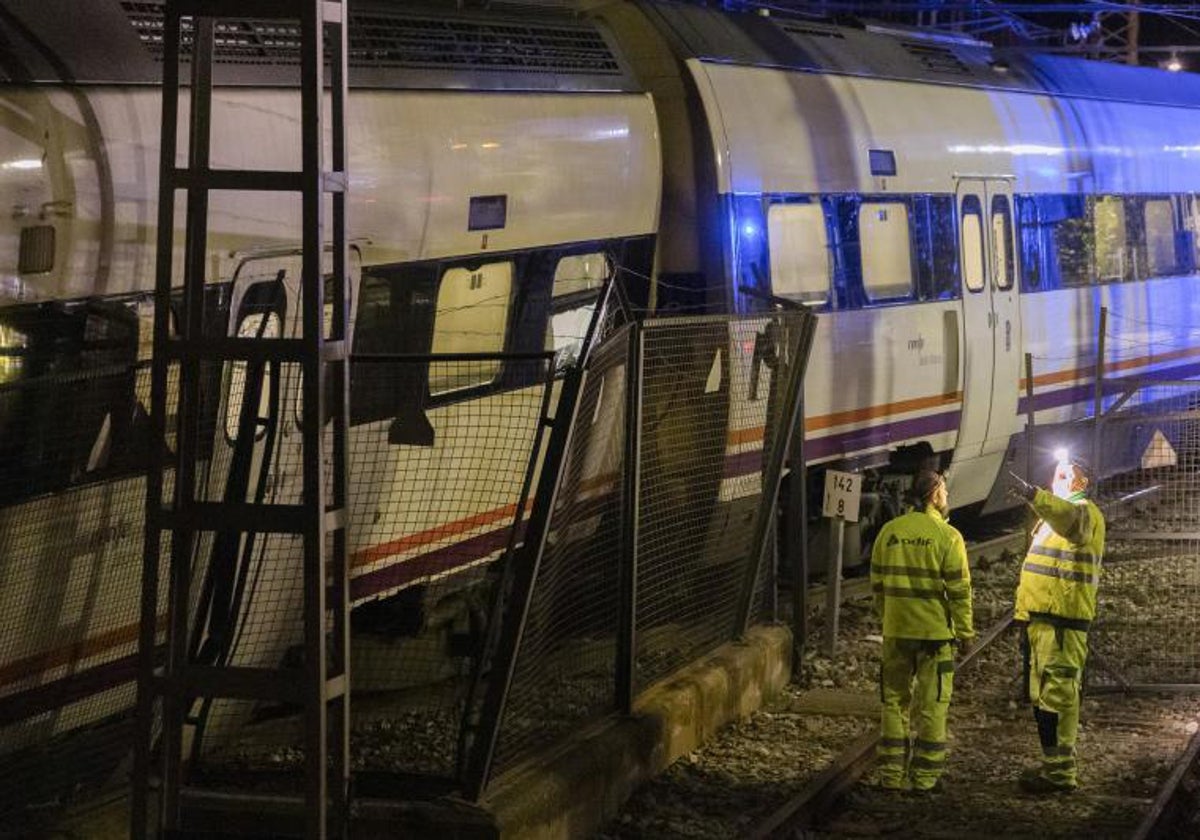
(945,206)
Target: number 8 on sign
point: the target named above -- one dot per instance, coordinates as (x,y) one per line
(842,493)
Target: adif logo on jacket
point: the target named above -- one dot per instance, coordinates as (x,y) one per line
(921,542)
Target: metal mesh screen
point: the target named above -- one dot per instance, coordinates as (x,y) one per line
(73,443)
(1147,630)
(439,456)
(564,671)
(712,389)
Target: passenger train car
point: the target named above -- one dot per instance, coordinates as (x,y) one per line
(946,207)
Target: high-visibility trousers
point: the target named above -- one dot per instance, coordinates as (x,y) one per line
(919,674)
(1056,656)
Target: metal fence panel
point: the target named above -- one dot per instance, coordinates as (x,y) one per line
(564,671)
(1147,630)
(440,452)
(713,405)
(72,459)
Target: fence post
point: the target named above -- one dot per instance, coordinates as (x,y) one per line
(796,549)
(1098,400)
(526,561)
(630,512)
(805,324)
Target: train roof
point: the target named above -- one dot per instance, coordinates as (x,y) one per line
(544,45)
(511,45)
(808,45)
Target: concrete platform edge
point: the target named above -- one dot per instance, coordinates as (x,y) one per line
(573,790)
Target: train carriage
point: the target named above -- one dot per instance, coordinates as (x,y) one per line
(945,206)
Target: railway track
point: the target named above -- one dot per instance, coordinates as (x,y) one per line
(816,799)
(804,765)
(1176,809)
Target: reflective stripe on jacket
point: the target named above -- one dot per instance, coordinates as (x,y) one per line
(1062,569)
(920,578)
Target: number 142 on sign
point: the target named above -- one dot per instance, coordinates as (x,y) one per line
(842,493)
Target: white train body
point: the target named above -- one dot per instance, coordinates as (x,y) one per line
(905,187)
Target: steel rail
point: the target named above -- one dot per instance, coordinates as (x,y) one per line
(1157,822)
(819,795)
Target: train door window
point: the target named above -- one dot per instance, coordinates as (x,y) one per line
(799,245)
(13,347)
(972,239)
(1158,218)
(1002,244)
(471,317)
(578,279)
(252,325)
(886,251)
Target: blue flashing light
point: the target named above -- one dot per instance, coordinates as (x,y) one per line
(749,230)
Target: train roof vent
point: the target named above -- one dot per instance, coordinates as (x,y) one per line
(937,59)
(378,40)
(810,31)
(404,41)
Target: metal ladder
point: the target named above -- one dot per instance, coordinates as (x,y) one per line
(166,676)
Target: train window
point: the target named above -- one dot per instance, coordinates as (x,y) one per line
(1112,255)
(935,246)
(1056,241)
(471,317)
(13,347)
(253,325)
(1002,243)
(1158,221)
(885,248)
(577,282)
(972,242)
(799,247)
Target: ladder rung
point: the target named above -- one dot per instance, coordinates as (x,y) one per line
(231,682)
(240,9)
(237,516)
(261,180)
(250,349)
(241,683)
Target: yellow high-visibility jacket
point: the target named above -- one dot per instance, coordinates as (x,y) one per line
(920,578)
(1062,569)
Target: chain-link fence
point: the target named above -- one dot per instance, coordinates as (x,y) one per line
(73,446)
(1147,630)
(1143,456)
(443,450)
(654,546)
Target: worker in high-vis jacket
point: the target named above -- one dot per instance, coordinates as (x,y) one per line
(922,590)
(1056,597)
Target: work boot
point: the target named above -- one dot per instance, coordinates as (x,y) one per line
(936,787)
(1035,782)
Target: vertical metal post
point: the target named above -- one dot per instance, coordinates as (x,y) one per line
(833,585)
(527,562)
(1098,401)
(630,515)
(796,547)
(1029,413)
(798,351)
(143,774)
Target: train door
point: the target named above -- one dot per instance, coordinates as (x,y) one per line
(991,335)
